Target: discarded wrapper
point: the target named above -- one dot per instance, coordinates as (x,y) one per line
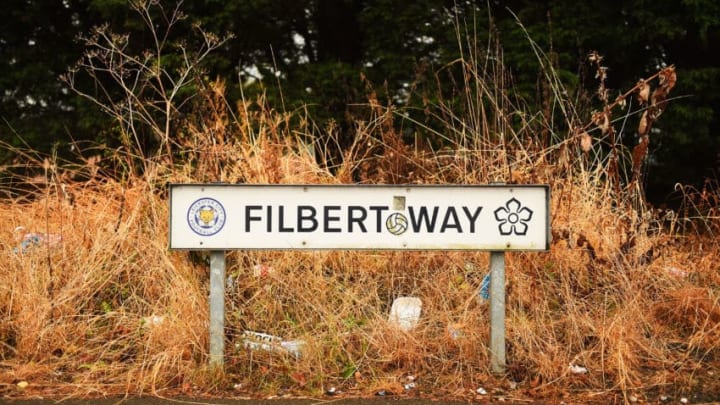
(262,270)
(153,320)
(484,292)
(454,331)
(32,239)
(674,271)
(263,341)
(405,312)
(293,347)
(575,369)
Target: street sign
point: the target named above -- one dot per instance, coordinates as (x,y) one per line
(498,218)
(378,217)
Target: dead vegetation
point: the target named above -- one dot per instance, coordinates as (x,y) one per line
(93,303)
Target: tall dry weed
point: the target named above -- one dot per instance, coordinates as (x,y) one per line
(97,304)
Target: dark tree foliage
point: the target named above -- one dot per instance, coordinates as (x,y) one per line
(331,56)
(636,38)
(38,43)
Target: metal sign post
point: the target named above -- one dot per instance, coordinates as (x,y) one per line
(497,312)
(217,307)
(495,218)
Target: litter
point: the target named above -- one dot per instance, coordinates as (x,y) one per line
(454,332)
(293,347)
(575,369)
(263,270)
(405,312)
(485,287)
(153,320)
(231,282)
(32,239)
(266,342)
(674,271)
(260,341)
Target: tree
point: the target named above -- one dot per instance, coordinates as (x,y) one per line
(636,39)
(38,44)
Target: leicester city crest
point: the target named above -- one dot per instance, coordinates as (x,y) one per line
(206,216)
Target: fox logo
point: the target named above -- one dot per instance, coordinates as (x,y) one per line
(206,215)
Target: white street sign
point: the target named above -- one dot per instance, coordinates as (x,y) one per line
(413,217)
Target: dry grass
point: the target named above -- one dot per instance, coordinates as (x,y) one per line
(109,309)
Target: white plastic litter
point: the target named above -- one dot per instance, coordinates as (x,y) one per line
(405,312)
(263,341)
(293,347)
(454,331)
(263,270)
(153,320)
(575,369)
(34,239)
(674,271)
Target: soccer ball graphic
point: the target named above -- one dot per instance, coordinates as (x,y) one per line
(396,223)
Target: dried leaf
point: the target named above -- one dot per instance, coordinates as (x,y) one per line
(643,91)
(536,381)
(299,379)
(638,156)
(602,120)
(668,78)
(605,126)
(585,142)
(620,101)
(658,101)
(643,126)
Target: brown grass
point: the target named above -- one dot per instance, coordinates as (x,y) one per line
(110,310)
